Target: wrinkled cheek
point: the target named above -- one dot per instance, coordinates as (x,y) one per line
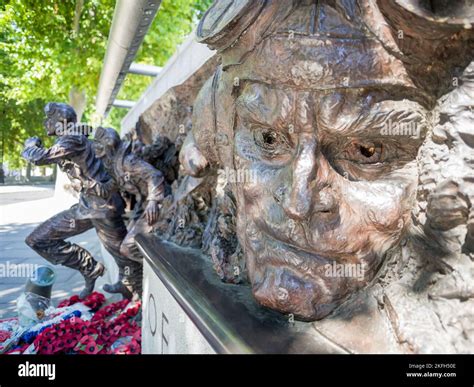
(254,186)
(255,205)
(380,214)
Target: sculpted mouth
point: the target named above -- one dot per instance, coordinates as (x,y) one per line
(270,249)
(311,265)
(309,236)
(291,280)
(302,251)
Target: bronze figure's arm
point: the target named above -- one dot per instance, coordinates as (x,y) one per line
(101,189)
(144,175)
(65,147)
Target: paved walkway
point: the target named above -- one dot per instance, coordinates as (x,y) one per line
(20,193)
(22,208)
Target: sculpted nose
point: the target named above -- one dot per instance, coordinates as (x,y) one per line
(295,198)
(306,191)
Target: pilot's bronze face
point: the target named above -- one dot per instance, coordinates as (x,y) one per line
(332,182)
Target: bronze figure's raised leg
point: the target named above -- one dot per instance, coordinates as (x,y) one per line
(49,241)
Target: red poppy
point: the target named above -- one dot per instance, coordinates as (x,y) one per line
(134,348)
(77,321)
(71,301)
(94,300)
(84,339)
(48,332)
(138,335)
(58,346)
(70,342)
(93,348)
(112,339)
(46,349)
(127,331)
(89,347)
(49,340)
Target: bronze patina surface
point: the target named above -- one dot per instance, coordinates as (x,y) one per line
(137,179)
(342,133)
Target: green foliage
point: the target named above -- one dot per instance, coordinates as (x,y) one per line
(44,54)
(174,21)
(42,57)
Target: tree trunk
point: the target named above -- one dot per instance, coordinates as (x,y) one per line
(77,99)
(77,17)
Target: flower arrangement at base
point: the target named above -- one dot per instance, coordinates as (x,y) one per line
(109,329)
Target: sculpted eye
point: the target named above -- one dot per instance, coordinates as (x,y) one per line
(271,142)
(269,138)
(365,153)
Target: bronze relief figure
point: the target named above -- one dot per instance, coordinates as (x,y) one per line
(347,124)
(134,177)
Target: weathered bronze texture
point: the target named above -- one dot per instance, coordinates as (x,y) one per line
(343,133)
(134,177)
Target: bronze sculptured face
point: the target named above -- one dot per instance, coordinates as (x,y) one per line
(323,110)
(105,144)
(331,191)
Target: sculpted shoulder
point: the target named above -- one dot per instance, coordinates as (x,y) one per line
(72,141)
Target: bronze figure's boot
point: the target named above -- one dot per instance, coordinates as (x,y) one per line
(127,278)
(119,288)
(133,280)
(90,280)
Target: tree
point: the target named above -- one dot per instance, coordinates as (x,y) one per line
(52,50)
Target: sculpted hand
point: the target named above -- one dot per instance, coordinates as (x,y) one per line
(33,141)
(151,212)
(104,190)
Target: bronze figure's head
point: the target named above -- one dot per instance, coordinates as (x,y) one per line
(319,111)
(106,142)
(58,117)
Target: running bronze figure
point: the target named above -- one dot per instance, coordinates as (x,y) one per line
(145,183)
(100,205)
